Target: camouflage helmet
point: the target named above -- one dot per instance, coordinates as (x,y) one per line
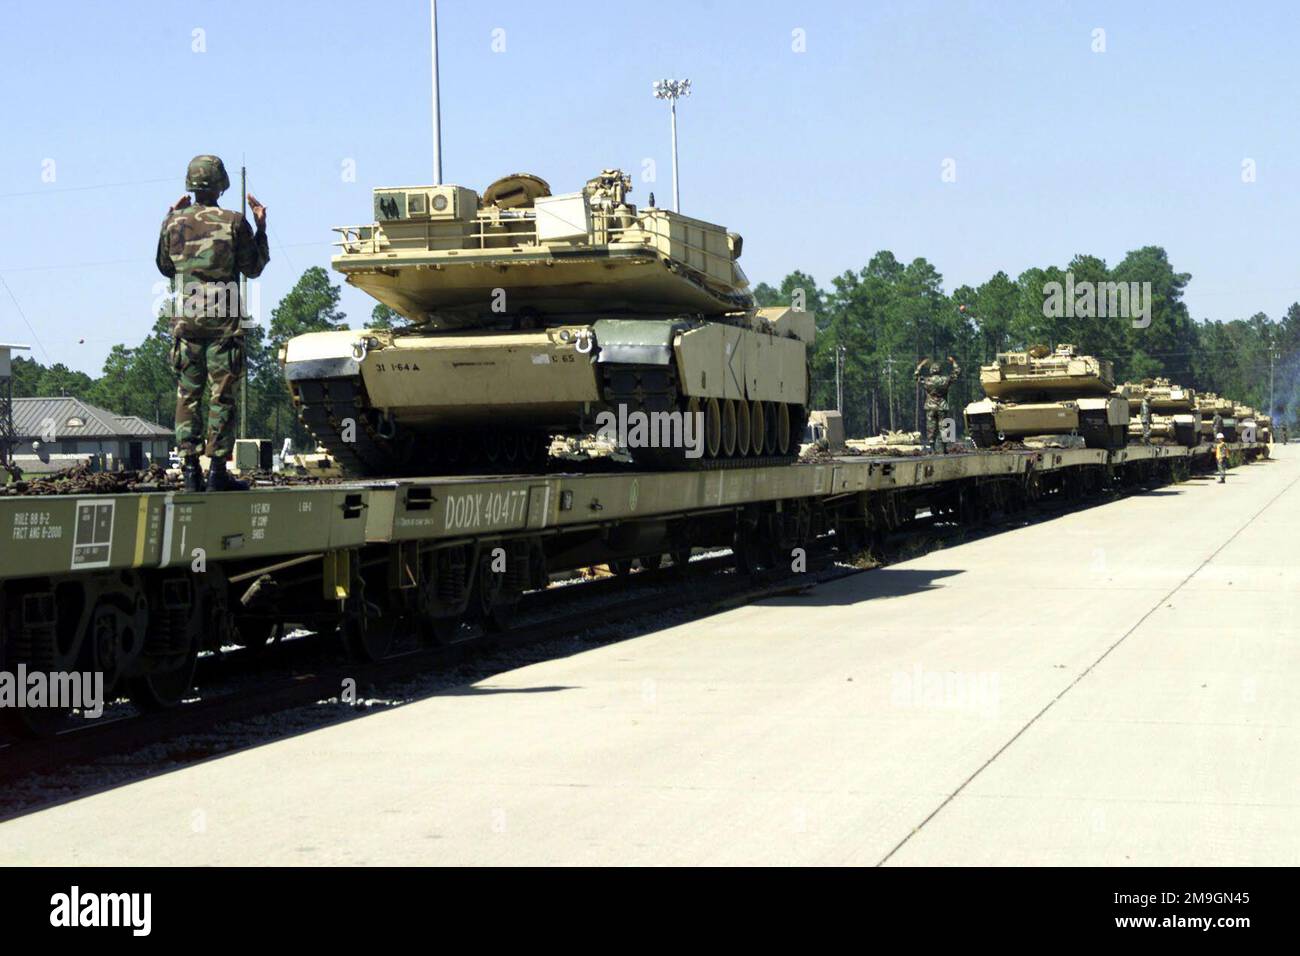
(207,174)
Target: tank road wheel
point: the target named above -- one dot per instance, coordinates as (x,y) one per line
(757,429)
(712,428)
(771,428)
(728,428)
(512,450)
(706,414)
(743,429)
(783,437)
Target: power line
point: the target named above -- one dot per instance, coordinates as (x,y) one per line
(77,189)
(36,338)
(137,259)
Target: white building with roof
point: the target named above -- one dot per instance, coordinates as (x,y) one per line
(53,433)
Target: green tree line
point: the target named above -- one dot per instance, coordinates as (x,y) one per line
(881,320)
(884,318)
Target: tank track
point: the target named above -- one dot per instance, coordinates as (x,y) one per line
(653,388)
(982,431)
(324,405)
(1098,433)
(1093,427)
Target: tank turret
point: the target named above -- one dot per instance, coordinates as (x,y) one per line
(439,255)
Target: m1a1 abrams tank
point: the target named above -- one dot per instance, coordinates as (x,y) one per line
(533,315)
(1173,411)
(1045,392)
(1210,406)
(1247,422)
(1263,428)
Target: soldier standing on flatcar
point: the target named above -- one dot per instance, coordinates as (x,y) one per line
(204,249)
(936,385)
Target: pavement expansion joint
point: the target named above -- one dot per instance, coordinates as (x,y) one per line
(1088,670)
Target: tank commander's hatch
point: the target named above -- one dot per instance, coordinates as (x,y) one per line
(515,191)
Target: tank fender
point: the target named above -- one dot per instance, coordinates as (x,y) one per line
(636,341)
(314,369)
(318,355)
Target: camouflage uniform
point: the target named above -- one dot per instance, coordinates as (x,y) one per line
(204,249)
(936,386)
(1146,420)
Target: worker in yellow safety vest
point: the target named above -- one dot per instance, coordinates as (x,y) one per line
(1221,456)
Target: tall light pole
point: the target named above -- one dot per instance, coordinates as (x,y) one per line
(672,90)
(243,300)
(437,119)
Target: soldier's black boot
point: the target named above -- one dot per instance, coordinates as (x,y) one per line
(219,479)
(192,473)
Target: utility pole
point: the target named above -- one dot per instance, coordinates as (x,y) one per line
(1272,354)
(672,90)
(889,362)
(243,300)
(437,118)
(840,353)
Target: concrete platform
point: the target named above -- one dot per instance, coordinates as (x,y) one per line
(1112,687)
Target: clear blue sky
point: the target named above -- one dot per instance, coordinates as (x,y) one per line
(818,158)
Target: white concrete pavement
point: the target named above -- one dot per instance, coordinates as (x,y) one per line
(1116,686)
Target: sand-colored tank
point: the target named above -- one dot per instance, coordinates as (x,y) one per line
(1208,407)
(533,315)
(1174,420)
(1048,392)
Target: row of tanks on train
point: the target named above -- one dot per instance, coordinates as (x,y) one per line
(1051,393)
(531,315)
